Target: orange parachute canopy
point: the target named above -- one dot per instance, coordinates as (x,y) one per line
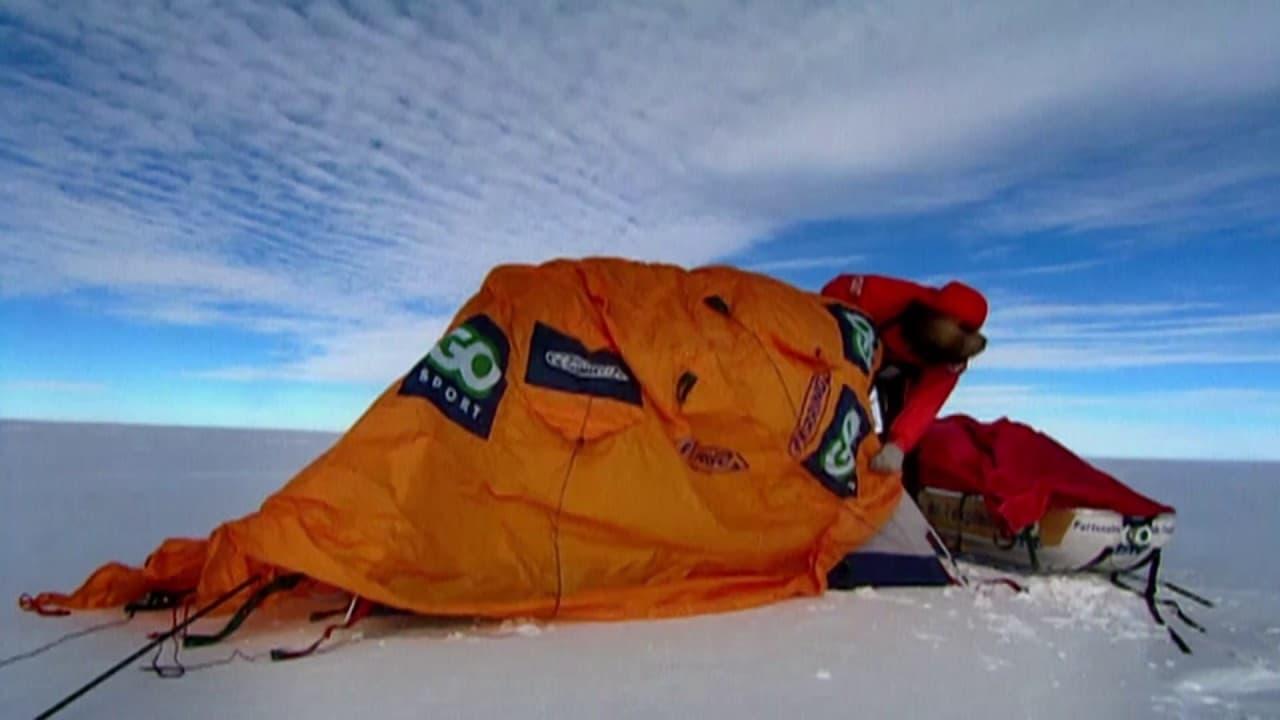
(591,439)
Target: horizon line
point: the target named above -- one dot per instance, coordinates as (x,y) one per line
(6,419)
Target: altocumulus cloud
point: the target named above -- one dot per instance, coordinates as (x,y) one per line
(349,173)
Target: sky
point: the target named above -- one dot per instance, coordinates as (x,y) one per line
(261,214)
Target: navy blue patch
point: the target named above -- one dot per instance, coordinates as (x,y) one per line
(464,375)
(857,336)
(874,569)
(835,462)
(560,362)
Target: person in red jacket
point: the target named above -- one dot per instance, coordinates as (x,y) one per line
(929,335)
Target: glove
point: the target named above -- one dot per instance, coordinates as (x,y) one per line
(889,460)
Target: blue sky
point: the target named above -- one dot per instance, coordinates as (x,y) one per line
(260,215)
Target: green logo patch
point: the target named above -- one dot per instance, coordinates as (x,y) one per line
(464,375)
(835,462)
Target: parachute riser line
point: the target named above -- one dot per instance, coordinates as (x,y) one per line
(158,640)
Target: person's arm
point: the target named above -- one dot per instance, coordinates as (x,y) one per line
(925,398)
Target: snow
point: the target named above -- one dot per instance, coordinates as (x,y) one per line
(74,496)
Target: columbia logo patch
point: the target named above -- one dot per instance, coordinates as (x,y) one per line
(558,361)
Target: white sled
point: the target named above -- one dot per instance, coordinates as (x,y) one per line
(1065,540)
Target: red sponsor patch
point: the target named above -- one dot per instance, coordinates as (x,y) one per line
(710,458)
(815,402)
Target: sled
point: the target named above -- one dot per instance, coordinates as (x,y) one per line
(1064,540)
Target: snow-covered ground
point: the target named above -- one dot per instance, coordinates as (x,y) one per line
(74,496)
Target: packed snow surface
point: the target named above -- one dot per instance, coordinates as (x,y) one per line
(74,496)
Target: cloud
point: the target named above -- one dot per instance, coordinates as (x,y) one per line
(1167,183)
(1068,357)
(1118,423)
(52,386)
(1025,271)
(1040,311)
(1054,268)
(1106,336)
(364,355)
(325,170)
(1013,397)
(829,262)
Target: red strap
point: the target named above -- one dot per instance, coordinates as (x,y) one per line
(359,612)
(1010,583)
(31,604)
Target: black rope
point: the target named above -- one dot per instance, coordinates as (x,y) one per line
(1153,572)
(964,497)
(1097,560)
(717,303)
(1187,593)
(1186,619)
(157,600)
(175,668)
(1033,543)
(1148,593)
(1177,640)
(777,371)
(106,674)
(236,654)
(35,652)
(564,486)
(284,582)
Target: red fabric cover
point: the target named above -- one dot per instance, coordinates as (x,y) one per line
(1020,473)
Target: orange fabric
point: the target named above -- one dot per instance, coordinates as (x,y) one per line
(577,471)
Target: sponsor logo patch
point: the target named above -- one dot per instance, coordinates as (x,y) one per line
(560,362)
(835,462)
(855,285)
(815,401)
(857,336)
(464,375)
(710,458)
(1138,535)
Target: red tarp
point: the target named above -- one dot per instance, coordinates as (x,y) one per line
(1020,472)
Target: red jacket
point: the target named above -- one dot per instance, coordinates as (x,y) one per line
(884,299)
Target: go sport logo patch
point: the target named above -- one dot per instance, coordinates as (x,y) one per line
(857,336)
(464,375)
(835,462)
